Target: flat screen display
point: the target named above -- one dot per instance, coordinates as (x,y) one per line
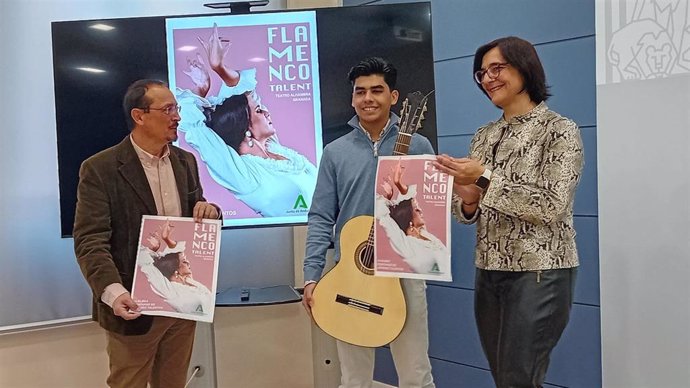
(260,94)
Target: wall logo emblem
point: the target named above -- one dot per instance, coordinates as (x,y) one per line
(648,39)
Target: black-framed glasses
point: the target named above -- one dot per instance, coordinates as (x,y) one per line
(492,71)
(168,109)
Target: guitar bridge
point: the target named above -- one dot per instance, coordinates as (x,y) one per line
(358,304)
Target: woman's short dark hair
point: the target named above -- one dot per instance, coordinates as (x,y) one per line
(374,65)
(168,264)
(231,119)
(521,55)
(402,214)
(135,97)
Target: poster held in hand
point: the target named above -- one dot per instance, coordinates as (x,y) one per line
(177,267)
(412,211)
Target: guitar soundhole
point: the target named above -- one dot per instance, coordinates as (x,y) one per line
(365,258)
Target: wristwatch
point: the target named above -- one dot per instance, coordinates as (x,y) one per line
(483,181)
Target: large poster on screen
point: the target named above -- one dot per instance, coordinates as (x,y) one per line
(412,212)
(177,267)
(248,89)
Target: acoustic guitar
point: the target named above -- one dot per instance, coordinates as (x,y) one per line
(350,304)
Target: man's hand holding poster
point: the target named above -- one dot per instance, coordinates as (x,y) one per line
(177,267)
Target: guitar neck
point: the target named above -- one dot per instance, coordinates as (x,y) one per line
(402,144)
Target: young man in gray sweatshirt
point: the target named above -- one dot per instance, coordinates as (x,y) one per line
(345,189)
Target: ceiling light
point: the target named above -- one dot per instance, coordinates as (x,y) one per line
(102,27)
(91,69)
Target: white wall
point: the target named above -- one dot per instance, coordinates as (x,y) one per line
(259,347)
(38,267)
(256,347)
(643,96)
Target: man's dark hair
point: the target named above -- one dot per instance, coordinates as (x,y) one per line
(402,214)
(374,65)
(521,55)
(168,264)
(231,120)
(135,97)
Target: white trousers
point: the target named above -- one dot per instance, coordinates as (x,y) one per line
(410,350)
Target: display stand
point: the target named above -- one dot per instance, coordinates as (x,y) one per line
(243,296)
(237,7)
(202,367)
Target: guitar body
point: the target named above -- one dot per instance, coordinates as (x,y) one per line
(350,303)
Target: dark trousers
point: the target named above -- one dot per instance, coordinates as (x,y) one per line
(520,317)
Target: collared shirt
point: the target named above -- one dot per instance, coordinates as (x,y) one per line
(161,178)
(159,173)
(525,217)
(381,135)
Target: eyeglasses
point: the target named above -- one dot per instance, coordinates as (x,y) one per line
(168,109)
(492,71)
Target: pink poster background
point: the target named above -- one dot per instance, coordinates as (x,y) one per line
(203,262)
(434,207)
(292,111)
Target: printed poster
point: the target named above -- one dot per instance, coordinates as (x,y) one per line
(248,87)
(412,211)
(177,267)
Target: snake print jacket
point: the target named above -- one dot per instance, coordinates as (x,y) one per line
(525,217)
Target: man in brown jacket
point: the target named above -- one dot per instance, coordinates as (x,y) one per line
(143,174)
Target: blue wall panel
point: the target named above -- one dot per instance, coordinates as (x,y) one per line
(587,287)
(453,334)
(460,25)
(449,375)
(385,368)
(570,70)
(461,107)
(463,237)
(455,145)
(576,360)
(586,203)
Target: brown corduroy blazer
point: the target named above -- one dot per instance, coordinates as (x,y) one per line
(112,196)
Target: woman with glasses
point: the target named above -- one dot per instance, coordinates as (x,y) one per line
(234,135)
(518,185)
